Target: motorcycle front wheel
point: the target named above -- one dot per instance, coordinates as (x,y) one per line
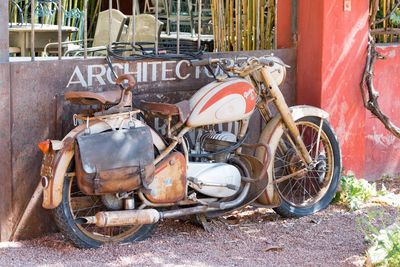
(75,204)
(303,189)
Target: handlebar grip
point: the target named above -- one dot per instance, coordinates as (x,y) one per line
(200,62)
(270,61)
(129,77)
(266,61)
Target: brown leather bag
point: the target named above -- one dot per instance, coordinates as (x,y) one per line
(114,161)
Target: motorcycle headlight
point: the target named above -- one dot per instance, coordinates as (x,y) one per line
(277,70)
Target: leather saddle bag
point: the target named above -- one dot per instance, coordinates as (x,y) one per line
(114,161)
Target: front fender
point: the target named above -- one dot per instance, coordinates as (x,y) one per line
(52,194)
(271,136)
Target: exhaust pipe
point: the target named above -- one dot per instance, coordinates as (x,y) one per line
(135,217)
(121,218)
(127,217)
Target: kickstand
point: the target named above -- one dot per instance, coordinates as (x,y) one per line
(203,221)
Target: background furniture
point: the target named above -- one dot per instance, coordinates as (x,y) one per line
(20,36)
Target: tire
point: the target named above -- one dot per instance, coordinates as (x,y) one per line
(313,189)
(88,237)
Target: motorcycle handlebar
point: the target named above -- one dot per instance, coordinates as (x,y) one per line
(204,61)
(230,63)
(266,61)
(270,61)
(200,62)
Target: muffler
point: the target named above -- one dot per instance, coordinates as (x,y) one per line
(121,218)
(136,217)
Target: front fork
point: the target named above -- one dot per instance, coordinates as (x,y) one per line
(287,118)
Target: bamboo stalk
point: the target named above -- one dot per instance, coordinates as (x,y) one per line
(262,26)
(249,25)
(224,31)
(391,24)
(214,22)
(257,39)
(384,22)
(231,28)
(93,17)
(245,22)
(270,20)
(254,25)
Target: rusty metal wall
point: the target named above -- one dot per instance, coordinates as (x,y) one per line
(5,153)
(3,32)
(5,140)
(39,112)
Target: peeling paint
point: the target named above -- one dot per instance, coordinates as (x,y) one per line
(383,140)
(348,45)
(391,54)
(341,128)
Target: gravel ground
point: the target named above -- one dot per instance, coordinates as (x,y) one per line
(251,237)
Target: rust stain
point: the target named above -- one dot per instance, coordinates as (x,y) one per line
(169,184)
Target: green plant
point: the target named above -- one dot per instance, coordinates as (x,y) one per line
(395,17)
(383,240)
(355,191)
(385,249)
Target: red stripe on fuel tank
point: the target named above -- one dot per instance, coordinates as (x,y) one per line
(242,88)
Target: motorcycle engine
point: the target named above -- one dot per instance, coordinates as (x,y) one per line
(211,142)
(213,175)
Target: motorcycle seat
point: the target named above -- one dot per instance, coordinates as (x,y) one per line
(181,109)
(93,98)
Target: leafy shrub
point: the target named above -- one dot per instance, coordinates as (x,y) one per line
(355,191)
(385,249)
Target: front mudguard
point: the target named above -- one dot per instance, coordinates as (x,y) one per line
(271,136)
(52,193)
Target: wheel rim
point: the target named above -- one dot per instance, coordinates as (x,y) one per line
(308,187)
(81,205)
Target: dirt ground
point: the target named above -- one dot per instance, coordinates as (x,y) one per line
(251,237)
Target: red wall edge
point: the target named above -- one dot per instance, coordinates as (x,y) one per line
(284,27)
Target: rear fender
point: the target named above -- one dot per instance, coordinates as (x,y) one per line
(52,194)
(271,136)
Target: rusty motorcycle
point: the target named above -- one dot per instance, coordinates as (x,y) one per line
(113,177)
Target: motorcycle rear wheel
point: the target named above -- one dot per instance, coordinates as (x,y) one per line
(75,204)
(312,190)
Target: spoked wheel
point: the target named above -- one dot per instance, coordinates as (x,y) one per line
(307,189)
(75,204)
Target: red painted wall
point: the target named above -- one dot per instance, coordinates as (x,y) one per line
(284,27)
(382,149)
(332,47)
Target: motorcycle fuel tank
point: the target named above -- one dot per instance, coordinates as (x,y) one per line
(222,101)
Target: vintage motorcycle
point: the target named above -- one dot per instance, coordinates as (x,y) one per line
(113,177)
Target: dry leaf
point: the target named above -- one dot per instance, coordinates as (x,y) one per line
(273,248)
